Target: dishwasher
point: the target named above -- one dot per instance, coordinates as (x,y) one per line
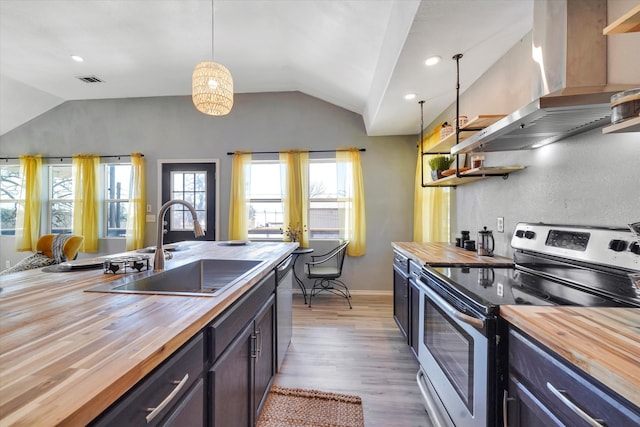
(284,308)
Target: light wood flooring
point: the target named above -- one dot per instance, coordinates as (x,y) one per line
(359,351)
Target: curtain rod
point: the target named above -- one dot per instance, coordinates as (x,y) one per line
(231,153)
(69,157)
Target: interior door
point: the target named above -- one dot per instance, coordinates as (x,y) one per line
(195,183)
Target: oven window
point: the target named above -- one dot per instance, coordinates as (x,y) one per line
(452,348)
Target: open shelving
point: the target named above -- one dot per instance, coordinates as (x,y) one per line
(627,23)
(471,128)
(629,125)
(473,175)
(446,144)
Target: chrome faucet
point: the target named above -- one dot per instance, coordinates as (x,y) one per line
(158,262)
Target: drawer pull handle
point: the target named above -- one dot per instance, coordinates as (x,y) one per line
(505,407)
(560,394)
(153,412)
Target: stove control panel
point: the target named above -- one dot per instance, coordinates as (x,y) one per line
(615,247)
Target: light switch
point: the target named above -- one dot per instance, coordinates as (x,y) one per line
(148,208)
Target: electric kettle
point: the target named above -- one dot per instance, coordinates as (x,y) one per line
(485,242)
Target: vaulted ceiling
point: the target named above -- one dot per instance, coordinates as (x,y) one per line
(361,55)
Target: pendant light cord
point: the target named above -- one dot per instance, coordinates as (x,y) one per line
(212,31)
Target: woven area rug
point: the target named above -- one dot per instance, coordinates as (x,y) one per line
(287,407)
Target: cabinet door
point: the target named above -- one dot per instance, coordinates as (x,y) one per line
(230,383)
(190,412)
(264,354)
(414,317)
(525,410)
(401,301)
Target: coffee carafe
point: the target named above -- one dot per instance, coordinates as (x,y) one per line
(485,242)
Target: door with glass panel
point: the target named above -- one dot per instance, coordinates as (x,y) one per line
(196,184)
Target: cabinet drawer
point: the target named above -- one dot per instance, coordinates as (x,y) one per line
(562,387)
(401,262)
(415,270)
(168,384)
(233,320)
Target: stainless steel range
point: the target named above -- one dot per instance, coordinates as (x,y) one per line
(462,347)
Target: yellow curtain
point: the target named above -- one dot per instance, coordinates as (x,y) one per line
(136,216)
(296,194)
(238,202)
(355,219)
(431,217)
(28,220)
(85,202)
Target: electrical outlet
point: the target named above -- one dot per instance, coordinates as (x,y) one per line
(500,224)
(7,264)
(151,218)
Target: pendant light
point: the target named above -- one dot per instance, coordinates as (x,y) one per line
(212,85)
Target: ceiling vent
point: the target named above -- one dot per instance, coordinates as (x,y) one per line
(90,79)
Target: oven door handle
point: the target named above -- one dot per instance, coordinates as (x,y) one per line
(475,322)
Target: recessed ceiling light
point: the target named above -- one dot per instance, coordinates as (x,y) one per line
(432,60)
(410,96)
(77,58)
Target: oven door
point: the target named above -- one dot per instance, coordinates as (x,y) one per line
(453,355)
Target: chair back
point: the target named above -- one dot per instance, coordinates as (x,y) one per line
(341,252)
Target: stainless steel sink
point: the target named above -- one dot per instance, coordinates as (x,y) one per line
(206,277)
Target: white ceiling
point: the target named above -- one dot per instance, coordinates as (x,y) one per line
(362,55)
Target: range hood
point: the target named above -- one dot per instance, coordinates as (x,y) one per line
(570,89)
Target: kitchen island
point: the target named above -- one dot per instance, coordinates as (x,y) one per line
(66,355)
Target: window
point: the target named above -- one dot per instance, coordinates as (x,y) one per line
(10,198)
(60,199)
(327,199)
(191,187)
(117,191)
(266,209)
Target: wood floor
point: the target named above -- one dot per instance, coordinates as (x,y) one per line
(359,351)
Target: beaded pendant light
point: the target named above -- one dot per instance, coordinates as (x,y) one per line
(212,85)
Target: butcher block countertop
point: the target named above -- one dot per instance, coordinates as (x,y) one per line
(447,253)
(66,355)
(603,342)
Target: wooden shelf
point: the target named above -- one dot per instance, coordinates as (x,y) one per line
(472,127)
(629,125)
(469,176)
(627,23)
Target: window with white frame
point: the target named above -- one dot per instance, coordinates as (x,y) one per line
(327,199)
(10,198)
(116,190)
(60,199)
(117,182)
(266,208)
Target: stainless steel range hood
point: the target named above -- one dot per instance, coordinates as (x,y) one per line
(570,89)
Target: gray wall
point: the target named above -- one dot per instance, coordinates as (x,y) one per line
(171,128)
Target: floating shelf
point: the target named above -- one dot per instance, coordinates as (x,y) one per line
(473,175)
(629,125)
(473,126)
(627,23)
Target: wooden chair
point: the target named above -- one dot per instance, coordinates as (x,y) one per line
(326,270)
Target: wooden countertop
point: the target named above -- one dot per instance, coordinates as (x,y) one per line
(603,342)
(66,354)
(447,253)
